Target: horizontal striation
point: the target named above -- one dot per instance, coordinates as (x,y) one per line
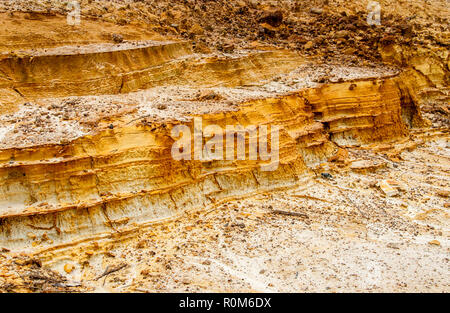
(360,112)
(121,179)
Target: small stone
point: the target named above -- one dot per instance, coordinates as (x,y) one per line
(349,51)
(309,45)
(68,268)
(141,244)
(387,188)
(228,48)
(316,11)
(117,38)
(208,96)
(342,34)
(393,245)
(366,166)
(145,272)
(340,156)
(267,29)
(434,243)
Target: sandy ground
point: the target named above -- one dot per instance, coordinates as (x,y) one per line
(347,236)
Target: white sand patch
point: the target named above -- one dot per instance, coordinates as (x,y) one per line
(5,130)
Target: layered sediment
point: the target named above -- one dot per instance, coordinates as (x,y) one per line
(116,180)
(357,116)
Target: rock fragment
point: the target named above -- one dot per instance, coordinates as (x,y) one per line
(309,45)
(68,268)
(366,166)
(387,188)
(443,193)
(316,11)
(117,38)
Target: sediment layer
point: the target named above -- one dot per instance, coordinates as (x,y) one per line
(120,179)
(113,69)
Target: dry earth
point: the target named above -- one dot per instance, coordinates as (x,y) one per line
(92,201)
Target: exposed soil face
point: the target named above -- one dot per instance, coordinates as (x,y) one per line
(91,198)
(314,27)
(56,120)
(347,236)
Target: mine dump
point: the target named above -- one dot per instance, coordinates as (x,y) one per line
(224,146)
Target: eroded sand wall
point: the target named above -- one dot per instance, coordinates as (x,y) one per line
(122,178)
